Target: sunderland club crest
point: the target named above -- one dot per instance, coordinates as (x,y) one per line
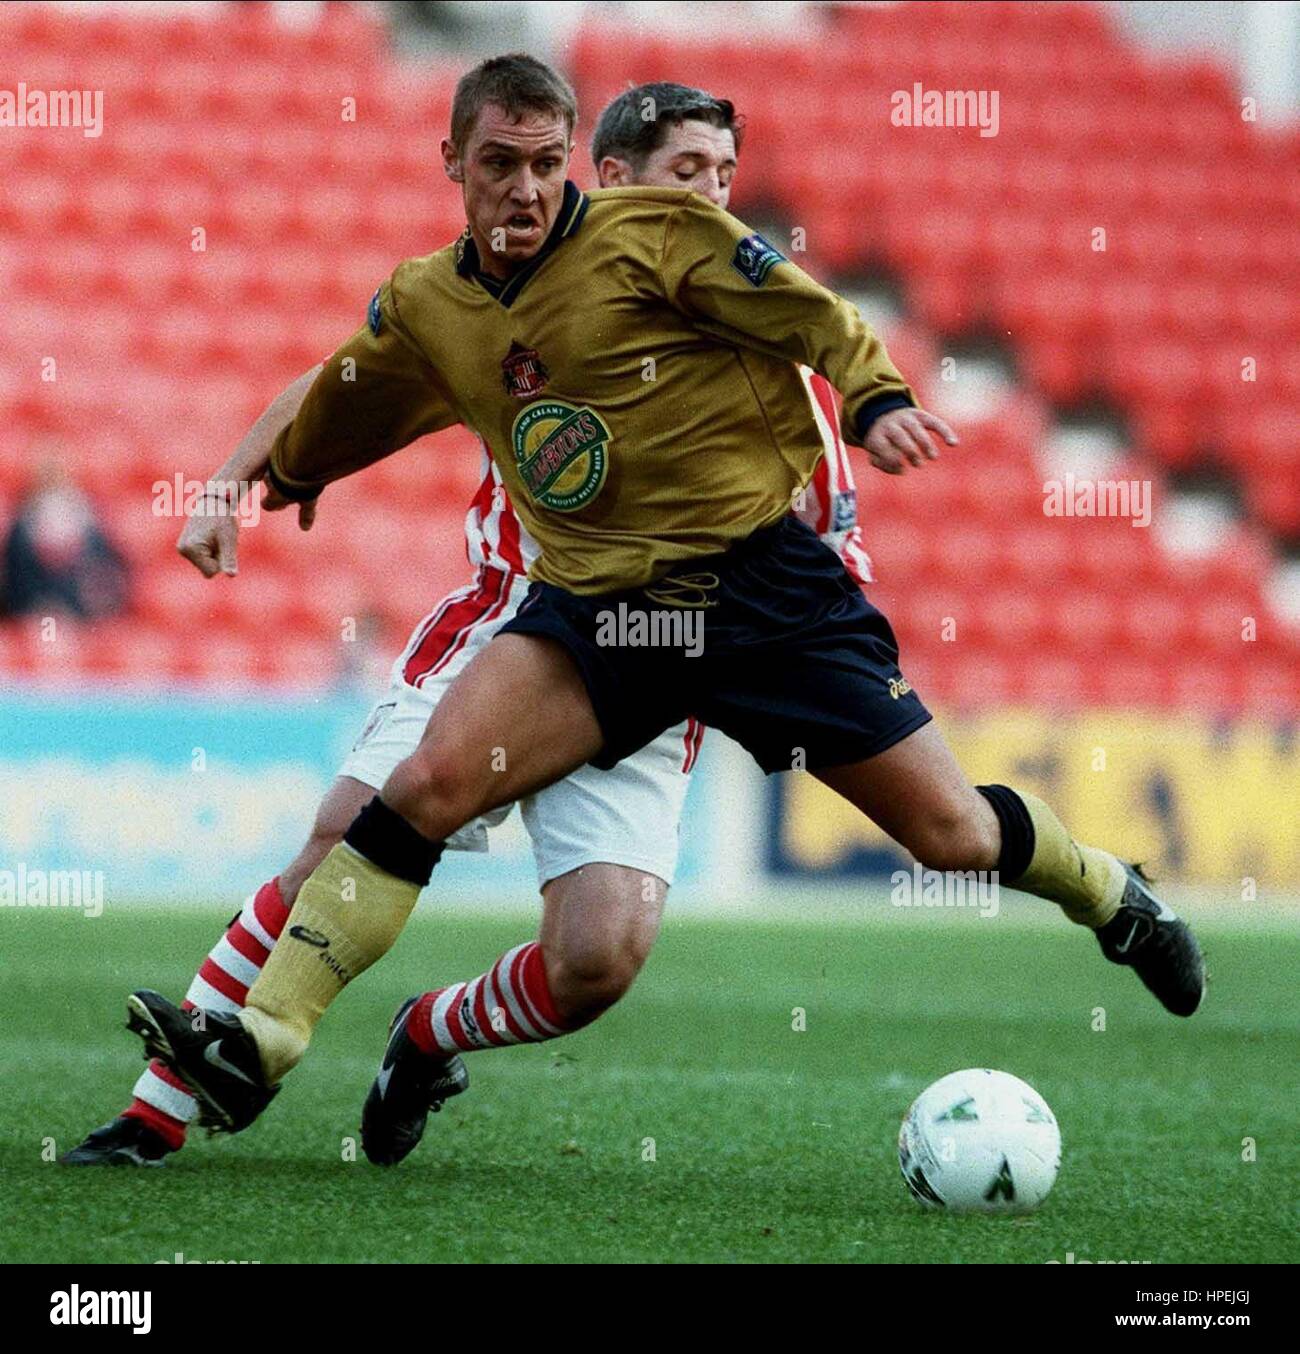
(524,372)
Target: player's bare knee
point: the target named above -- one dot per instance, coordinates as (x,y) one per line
(432,791)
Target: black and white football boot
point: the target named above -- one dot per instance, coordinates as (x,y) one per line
(212,1053)
(1146,935)
(410,1083)
(123,1142)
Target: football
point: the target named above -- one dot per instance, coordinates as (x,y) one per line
(980,1141)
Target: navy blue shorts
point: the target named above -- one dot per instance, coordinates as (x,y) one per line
(772,642)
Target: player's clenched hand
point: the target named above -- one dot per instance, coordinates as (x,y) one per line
(902,437)
(208,541)
(274,501)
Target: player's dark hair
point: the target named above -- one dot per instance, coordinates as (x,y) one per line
(518,83)
(636,123)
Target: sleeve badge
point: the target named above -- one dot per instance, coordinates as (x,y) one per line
(755,258)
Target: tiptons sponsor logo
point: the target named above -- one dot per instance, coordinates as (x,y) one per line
(93,1307)
(562,452)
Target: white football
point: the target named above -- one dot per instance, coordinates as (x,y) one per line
(980,1141)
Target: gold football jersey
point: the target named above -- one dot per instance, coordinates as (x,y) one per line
(635,382)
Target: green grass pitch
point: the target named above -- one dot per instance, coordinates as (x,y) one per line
(769,1144)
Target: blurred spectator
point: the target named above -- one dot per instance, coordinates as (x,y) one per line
(57,558)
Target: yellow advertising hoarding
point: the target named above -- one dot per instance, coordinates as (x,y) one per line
(1200,802)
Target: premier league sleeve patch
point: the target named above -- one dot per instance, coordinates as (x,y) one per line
(374,316)
(755,258)
(844,510)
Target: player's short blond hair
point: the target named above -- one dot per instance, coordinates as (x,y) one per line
(518,83)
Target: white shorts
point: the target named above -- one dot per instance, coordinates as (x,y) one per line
(628,816)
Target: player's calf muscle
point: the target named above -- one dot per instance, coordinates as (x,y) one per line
(919,795)
(343,801)
(964,837)
(598,926)
(585,980)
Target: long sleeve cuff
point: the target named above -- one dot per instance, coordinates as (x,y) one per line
(295,493)
(874,407)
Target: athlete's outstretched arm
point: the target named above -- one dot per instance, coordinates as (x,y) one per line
(375,395)
(734,284)
(210,536)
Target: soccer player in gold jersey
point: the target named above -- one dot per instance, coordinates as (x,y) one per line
(629,359)
(604,842)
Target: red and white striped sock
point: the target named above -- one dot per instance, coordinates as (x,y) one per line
(509,1004)
(161,1100)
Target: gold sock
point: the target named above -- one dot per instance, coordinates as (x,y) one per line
(1087,883)
(347,915)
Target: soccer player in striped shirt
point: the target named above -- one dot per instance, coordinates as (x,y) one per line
(605,842)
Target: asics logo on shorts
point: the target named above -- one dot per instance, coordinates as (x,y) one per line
(684,590)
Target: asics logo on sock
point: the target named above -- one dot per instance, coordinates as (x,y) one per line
(212,1054)
(343,974)
(466,1014)
(305,933)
